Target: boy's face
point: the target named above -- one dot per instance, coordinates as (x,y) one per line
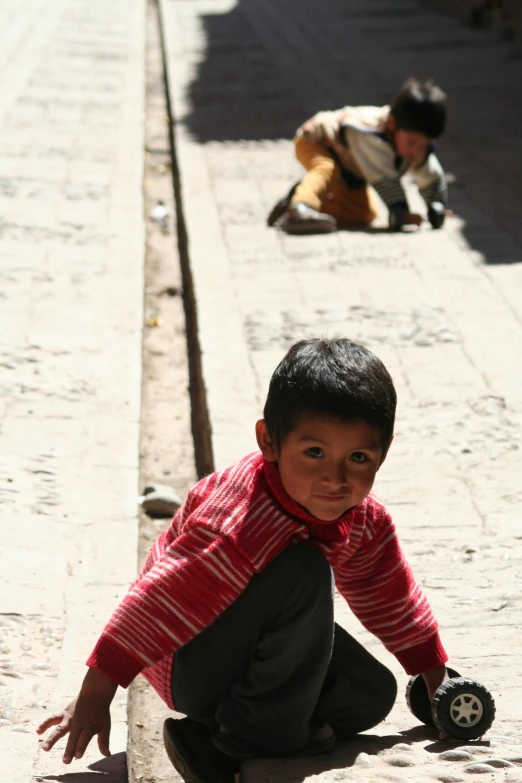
(326,465)
(411,145)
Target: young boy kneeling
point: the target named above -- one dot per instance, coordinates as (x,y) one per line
(347,150)
(232,616)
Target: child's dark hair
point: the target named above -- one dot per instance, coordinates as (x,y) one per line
(420,106)
(335,378)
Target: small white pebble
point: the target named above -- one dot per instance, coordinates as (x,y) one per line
(364,760)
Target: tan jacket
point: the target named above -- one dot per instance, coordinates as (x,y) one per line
(357,134)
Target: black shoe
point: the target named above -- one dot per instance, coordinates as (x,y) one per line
(321,740)
(190,749)
(301,219)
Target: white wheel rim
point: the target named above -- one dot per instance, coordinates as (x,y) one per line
(466,710)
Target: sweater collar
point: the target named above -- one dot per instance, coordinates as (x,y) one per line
(338,530)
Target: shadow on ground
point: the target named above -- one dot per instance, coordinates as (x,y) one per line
(346,755)
(269,64)
(106,770)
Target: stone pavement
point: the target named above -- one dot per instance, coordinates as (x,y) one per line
(504,17)
(443,309)
(71,240)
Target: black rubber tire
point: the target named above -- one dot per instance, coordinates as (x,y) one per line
(417,697)
(463,708)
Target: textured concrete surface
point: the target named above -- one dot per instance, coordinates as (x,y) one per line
(442,309)
(504,17)
(71,240)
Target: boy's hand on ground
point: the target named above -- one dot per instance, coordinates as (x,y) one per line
(412,219)
(62,721)
(81,720)
(86,716)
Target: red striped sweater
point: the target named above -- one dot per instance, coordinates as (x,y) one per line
(231,526)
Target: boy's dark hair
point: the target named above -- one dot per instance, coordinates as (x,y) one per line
(335,378)
(420,106)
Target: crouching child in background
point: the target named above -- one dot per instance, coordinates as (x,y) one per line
(348,150)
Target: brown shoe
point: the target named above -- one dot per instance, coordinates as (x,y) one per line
(299,218)
(279,209)
(281,206)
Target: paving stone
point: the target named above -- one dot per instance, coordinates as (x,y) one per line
(70,518)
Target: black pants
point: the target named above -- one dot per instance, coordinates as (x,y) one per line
(274,662)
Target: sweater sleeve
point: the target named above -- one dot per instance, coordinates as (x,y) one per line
(380,588)
(430,180)
(376,160)
(197,577)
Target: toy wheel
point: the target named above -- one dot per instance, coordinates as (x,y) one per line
(418,700)
(463,709)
